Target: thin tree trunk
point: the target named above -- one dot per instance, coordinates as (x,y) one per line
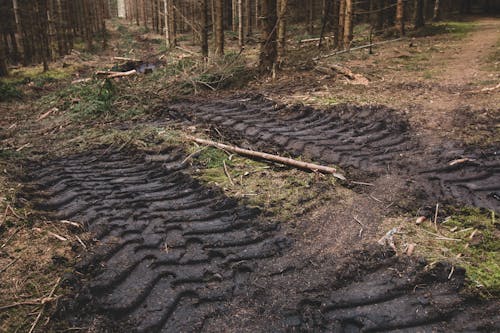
(340,38)
(268,51)
(204,27)
(3,61)
(437,11)
(419,14)
(348,26)
(310,16)
(400,20)
(248,17)
(219,28)
(241,36)
(283,12)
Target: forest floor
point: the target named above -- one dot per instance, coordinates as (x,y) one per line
(73,158)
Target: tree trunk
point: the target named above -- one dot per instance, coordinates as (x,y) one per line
(268,51)
(3,61)
(348,26)
(335,22)
(241,36)
(400,20)
(326,13)
(340,34)
(204,27)
(248,17)
(310,16)
(219,28)
(419,14)
(121,8)
(283,4)
(437,11)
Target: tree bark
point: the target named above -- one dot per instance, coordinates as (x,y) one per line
(219,28)
(241,36)
(3,61)
(419,14)
(341,24)
(437,11)
(204,27)
(248,17)
(400,20)
(348,26)
(283,6)
(268,50)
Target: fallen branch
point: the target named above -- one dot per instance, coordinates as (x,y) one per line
(269,157)
(112,75)
(126,59)
(309,40)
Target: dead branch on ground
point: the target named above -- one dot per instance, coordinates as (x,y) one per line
(270,157)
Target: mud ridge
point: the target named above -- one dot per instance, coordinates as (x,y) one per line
(170,250)
(372,139)
(173,255)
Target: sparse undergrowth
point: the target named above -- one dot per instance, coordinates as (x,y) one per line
(466,237)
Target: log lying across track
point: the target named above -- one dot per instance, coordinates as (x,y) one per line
(270,157)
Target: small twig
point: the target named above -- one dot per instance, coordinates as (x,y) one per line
(363,183)
(75,224)
(451,272)
(193,154)
(441,237)
(362,226)
(8,265)
(357,220)
(33,302)
(81,242)
(43,306)
(4,215)
(10,237)
(378,200)
(436,217)
(227,173)
(61,238)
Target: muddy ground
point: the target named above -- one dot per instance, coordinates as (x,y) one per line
(116,223)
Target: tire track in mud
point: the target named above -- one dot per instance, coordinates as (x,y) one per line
(373,139)
(170,251)
(175,256)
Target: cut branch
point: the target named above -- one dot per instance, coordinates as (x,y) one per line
(270,157)
(111,75)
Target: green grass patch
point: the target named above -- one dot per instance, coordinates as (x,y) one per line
(469,238)
(456,29)
(84,101)
(9,91)
(280,191)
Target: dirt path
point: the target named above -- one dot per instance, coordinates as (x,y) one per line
(464,65)
(459,74)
